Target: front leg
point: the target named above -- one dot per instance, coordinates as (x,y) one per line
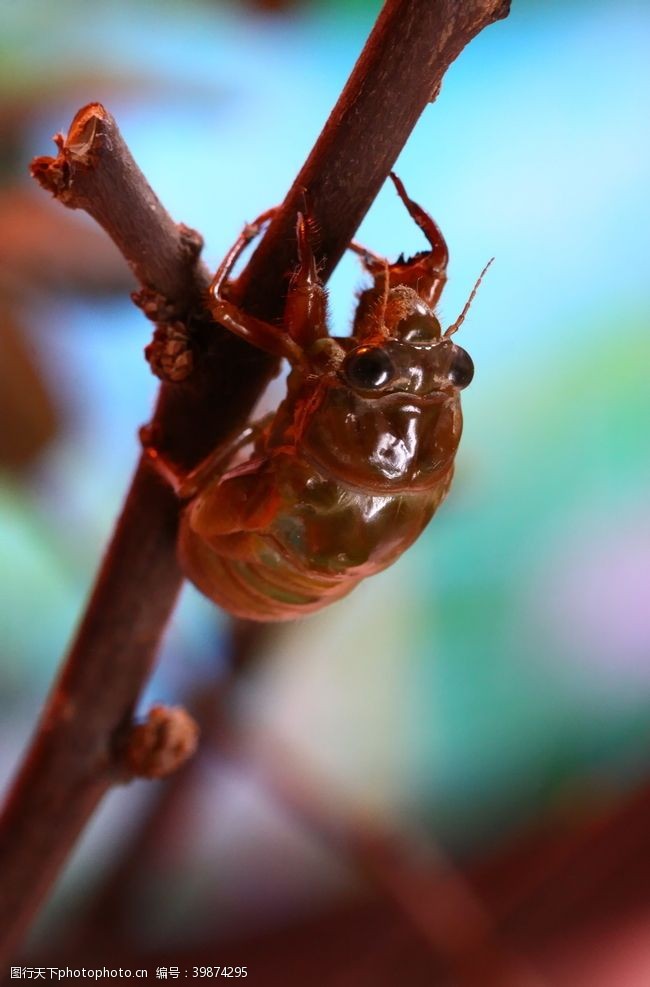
(426,272)
(272,339)
(305,310)
(250,231)
(244,500)
(186,484)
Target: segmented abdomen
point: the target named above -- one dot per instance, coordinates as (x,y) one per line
(324,538)
(256,590)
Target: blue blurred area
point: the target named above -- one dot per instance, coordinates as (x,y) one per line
(507,654)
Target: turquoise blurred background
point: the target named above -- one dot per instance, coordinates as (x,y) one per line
(503,664)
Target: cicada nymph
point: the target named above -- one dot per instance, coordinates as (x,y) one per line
(347,472)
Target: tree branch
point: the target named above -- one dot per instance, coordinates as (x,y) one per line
(71,761)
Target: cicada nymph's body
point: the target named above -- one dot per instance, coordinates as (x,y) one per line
(359,454)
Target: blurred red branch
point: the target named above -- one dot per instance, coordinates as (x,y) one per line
(71,762)
(558,894)
(408,869)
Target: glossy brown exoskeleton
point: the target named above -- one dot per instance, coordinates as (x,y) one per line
(359,454)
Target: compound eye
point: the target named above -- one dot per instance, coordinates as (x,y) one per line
(368,368)
(461,368)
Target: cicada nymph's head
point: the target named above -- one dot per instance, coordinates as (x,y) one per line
(391,417)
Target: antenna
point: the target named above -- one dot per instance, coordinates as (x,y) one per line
(461,318)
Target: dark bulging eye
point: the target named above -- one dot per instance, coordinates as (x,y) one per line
(419,327)
(461,368)
(368,367)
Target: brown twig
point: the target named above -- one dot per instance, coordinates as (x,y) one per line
(409,870)
(70,764)
(105,923)
(565,885)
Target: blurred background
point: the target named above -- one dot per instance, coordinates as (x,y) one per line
(450,766)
